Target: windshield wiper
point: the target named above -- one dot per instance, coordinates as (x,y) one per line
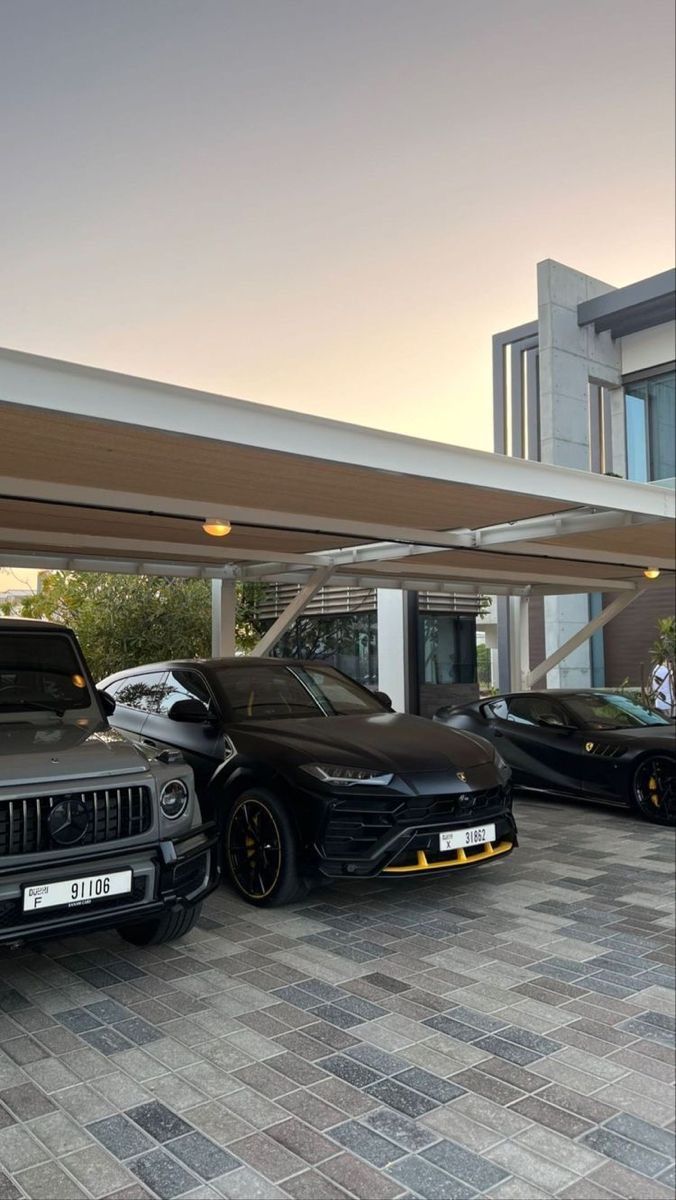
(34,705)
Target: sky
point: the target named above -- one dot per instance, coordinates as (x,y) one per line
(328,205)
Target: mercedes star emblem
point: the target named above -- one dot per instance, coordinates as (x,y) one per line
(68,821)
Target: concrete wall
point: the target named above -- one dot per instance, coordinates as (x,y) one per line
(649,348)
(570,358)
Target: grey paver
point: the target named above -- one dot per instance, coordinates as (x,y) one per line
(504,1033)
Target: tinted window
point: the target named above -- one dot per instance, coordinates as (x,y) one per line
(532,710)
(256,693)
(141,692)
(496,708)
(183,685)
(340,695)
(610,712)
(38,671)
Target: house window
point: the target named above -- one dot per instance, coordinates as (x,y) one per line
(650,419)
(446,648)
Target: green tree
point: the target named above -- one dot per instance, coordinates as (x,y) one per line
(126,620)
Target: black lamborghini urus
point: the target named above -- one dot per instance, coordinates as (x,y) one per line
(308,773)
(591,745)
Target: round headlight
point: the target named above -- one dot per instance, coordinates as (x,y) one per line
(174,799)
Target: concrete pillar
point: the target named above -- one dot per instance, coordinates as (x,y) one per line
(571,357)
(223,612)
(394,650)
(519,643)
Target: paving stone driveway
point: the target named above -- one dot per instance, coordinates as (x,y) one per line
(503,1032)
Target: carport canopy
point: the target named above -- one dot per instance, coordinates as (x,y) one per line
(108,472)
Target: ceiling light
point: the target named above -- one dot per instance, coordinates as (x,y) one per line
(652,573)
(216,527)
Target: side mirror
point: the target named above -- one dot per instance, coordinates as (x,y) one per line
(107,702)
(384,700)
(190,711)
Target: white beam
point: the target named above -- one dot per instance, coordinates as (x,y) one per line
(33,381)
(611,610)
(319,578)
(557,525)
(486,576)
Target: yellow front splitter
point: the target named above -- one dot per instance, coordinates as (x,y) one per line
(460,859)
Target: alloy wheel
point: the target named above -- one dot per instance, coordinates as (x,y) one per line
(655,788)
(254,848)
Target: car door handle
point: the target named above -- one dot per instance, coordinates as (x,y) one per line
(496,733)
(149,742)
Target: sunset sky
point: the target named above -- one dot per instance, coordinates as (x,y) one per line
(328,205)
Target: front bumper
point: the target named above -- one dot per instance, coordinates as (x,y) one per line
(366,835)
(166,875)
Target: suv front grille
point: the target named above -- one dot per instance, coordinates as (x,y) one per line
(112,813)
(356,824)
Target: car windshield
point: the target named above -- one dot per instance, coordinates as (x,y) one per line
(610,712)
(273,692)
(40,672)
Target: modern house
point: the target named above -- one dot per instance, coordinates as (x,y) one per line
(590,384)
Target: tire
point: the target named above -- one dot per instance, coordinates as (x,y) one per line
(260,850)
(654,789)
(166,928)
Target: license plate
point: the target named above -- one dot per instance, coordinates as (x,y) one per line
(460,839)
(72,892)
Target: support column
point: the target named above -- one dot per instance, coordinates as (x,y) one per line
(223,611)
(519,643)
(524,643)
(395,664)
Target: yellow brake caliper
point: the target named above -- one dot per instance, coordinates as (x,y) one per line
(654,789)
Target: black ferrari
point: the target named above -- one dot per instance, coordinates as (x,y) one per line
(587,744)
(309,773)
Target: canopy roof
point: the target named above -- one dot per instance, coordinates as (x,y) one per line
(109,472)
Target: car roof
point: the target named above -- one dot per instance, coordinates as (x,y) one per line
(208,664)
(22,624)
(589,691)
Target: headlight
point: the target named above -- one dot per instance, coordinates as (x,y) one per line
(347,775)
(174,799)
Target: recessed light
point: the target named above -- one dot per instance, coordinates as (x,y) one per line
(217,527)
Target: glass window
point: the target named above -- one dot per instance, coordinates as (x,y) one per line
(637,437)
(446,648)
(141,692)
(265,693)
(650,412)
(496,708)
(183,685)
(535,710)
(610,712)
(347,641)
(40,671)
(340,695)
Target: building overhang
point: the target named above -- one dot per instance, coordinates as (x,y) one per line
(631,309)
(101,471)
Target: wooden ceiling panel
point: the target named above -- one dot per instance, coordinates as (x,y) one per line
(61,448)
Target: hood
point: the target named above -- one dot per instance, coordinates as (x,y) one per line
(393,742)
(53,754)
(661,737)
